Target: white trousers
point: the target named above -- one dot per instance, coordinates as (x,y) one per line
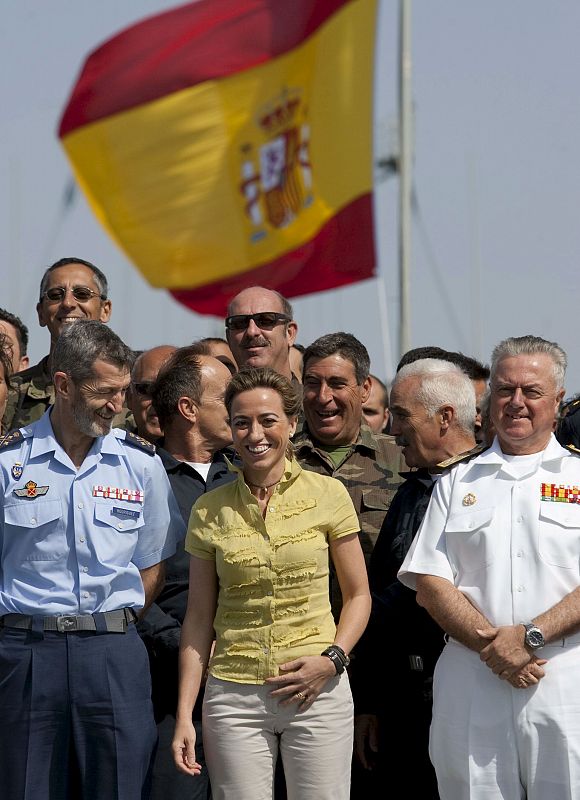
(244,728)
(490,741)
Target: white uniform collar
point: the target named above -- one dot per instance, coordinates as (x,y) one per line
(494,457)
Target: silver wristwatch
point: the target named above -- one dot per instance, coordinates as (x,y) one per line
(533,637)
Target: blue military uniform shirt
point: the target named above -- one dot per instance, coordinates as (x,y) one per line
(72,541)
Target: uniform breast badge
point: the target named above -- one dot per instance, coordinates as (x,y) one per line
(31,490)
(17,470)
(469,499)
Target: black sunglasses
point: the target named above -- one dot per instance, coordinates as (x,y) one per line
(266,320)
(144,388)
(81,293)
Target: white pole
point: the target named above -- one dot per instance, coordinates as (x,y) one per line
(405,177)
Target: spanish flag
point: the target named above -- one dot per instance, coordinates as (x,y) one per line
(228,143)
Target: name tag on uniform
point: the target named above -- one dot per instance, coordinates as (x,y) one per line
(126,512)
(554,493)
(115,493)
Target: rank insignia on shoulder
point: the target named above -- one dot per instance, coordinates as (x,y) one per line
(11,438)
(458,459)
(31,490)
(17,470)
(140,442)
(572,449)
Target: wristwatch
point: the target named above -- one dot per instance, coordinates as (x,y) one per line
(338,657)
(533,637)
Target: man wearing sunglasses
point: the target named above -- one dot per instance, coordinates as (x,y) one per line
(260,329)
(139,400)
(71,289)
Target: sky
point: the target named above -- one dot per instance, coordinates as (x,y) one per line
(495,241)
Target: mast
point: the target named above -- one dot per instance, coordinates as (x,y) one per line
(405,177)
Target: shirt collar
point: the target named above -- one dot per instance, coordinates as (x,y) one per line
(552,454)
(45,441)
(365,439)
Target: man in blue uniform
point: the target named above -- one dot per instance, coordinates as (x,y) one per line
(87,519)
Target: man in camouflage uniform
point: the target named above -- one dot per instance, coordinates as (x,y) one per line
(70,289)
(336,441)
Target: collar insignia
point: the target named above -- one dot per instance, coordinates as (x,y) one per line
(17,471)
(469,499)
(31,490)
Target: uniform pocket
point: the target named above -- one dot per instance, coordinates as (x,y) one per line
(34,528)
(469,539)
(559,534)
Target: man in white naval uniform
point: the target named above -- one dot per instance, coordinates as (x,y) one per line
(496,563)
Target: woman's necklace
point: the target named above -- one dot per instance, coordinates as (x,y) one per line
(259,486)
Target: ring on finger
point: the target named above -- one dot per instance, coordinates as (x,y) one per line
(300,696)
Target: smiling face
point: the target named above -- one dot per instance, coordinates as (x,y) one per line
(258,347)
(261,432)
(54,315)
(95,401)
(524,402)
(333,400)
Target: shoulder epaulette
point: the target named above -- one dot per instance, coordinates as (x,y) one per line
(13,437)
(466,456)
(572,449)
(140,442)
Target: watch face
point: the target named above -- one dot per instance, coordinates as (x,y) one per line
(534,638)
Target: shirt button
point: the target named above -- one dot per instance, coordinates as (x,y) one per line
(120,525)
(85,594)
(272,509)
(520,519)
(520,588)
(82,539)
(85,569)
(81,505)
(266,650)
(519,554)
(269,594)
(33,521)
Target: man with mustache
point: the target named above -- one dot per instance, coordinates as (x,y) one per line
(433,417)
(260,329)
(88,518)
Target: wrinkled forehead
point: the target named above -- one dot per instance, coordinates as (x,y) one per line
(524,369)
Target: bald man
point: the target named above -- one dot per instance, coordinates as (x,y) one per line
(143,375)
(260,329)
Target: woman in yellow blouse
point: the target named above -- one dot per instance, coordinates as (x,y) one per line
(259,578)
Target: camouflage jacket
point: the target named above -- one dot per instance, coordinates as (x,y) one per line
(370,472)
(33,393)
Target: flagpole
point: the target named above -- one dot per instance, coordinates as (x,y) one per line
(405,177)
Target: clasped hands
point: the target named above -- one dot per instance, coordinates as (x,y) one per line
(508,658)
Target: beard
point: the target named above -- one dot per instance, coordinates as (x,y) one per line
(87,422)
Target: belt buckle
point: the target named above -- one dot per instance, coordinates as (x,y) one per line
(66,623)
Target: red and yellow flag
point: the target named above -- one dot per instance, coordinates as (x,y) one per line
(228,143)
